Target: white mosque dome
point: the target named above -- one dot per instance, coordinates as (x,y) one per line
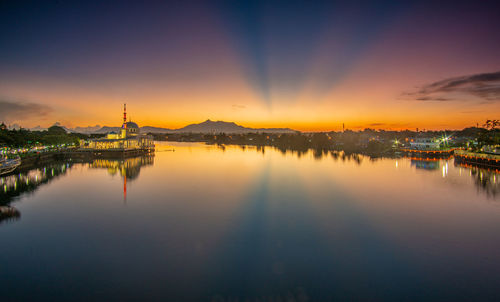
(132,125)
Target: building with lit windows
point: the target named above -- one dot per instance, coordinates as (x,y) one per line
(129,139)
(425,143)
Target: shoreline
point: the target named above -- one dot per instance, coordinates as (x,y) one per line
(83,155)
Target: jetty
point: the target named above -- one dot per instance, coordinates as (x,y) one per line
(479,159)
(431,153)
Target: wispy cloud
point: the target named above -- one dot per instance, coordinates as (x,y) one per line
(11,110)
(472,111)
(389,125)
(238,107)
(484,86)
(428,98)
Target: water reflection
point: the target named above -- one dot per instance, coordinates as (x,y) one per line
(128,168)
(486,180)
(8,213)
(14,186)
(318,154)
(206,223)
(425,164)
(26,182)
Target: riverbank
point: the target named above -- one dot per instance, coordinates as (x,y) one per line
(84,155)
(478,159)
(36,159)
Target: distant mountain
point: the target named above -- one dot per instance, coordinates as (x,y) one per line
(38,128)
(86,130)
(149,129)
(60,125)
(107,129)
(14,127)
(209,126)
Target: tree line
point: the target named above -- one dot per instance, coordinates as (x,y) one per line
(368,141)
(55,135)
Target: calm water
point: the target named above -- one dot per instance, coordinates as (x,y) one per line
(206,223)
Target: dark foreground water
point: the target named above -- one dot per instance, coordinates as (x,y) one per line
(206,223)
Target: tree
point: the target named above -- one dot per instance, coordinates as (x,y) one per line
(56,130)
(491,124)
(490,135)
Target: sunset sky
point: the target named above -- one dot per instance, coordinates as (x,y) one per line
(307,65)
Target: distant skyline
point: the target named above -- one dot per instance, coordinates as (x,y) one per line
(310,66)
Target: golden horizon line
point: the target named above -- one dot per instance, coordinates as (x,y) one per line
(300,129)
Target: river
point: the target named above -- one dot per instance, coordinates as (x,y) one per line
(200,222)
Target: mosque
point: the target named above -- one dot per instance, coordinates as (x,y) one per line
(129,139)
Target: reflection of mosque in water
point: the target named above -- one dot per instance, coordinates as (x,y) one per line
(16,185)
(129,168)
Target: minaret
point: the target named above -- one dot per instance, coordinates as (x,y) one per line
(124,126)
(125,115)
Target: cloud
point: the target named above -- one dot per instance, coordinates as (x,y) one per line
(238,107)
(16,110)
(428,98)
(472,111)
(387,125)
(483,86)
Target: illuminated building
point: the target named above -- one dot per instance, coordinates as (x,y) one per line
(130,139)
(424,143)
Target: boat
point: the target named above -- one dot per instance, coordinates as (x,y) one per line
(8,165)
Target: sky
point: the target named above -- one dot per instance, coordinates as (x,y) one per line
(307,65)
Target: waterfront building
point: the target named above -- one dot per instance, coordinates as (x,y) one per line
(128,139)
(491,149)
(425,143)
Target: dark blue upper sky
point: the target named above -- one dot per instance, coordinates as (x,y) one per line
(281,46)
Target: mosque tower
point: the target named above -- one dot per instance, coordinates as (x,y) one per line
(124,126)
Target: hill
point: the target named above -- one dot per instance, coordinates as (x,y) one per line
(207,126)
